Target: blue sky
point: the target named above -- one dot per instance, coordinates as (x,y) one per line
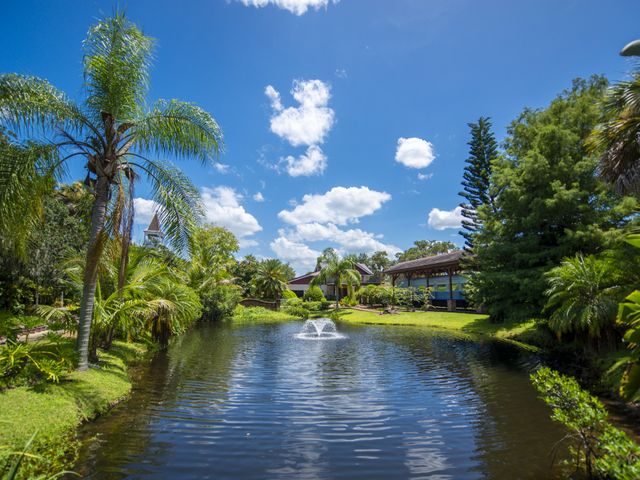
(375,138)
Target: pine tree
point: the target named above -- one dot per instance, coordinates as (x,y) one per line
(482,150)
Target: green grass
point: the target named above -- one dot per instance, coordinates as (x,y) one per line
(55,410)
(524,334)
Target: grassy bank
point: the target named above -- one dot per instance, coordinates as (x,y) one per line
(525,334)
(259,314)
(54,411)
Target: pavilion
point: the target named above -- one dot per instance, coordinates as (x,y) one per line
(441,273)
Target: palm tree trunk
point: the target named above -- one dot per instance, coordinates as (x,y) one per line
(126,240)
(94,251)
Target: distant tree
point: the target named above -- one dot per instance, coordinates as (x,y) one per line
(209,271)
(243,273)
(340,272)
(270,280)
(425,248)
(379,261)
(549,204)
(289,271)
(483,149)
(328,255)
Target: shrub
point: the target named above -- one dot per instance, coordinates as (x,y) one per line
(314,294)
(312,306)
(292,302)
(602,450)
(325,305)
(298,312)
(219,301)
(30,363)
(288,294)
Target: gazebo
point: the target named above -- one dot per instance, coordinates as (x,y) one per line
(438,267)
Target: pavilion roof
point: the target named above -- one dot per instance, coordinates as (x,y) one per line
(435,262)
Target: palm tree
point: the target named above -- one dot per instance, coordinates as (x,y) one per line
(581,296)
(340,271)
(270,280)
(113,132)
(619,137)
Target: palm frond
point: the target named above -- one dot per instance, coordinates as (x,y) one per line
(180,202)
(178,128)
(117,58)
(32,106)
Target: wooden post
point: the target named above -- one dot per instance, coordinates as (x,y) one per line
(451,303)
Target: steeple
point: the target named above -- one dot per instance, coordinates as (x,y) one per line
(153,235)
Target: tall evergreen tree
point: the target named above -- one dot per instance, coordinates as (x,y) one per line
(550,204)
(483,148)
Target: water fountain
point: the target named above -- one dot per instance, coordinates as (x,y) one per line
(319,329)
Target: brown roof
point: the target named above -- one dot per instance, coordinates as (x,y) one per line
(427,263)
(154,226)
(305,279)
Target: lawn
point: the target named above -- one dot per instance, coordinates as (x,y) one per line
(54,411)
(526,334)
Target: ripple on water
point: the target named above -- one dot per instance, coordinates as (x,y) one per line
(256,402)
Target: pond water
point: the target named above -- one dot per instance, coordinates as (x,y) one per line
(382,402)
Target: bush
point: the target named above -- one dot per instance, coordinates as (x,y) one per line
(292,302)
(312,306)
(314,294)
(599,448)
(288,294)
(375,295)
(31,363)
(298,312)
(325,305)
(220,301)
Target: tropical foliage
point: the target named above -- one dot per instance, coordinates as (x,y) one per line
(340,272)
(582,297)
(270,280)
(598,448)
(113,133)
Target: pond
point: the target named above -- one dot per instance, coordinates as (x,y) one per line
(378,402)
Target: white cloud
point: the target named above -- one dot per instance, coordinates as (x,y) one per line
(313,162)
(274,96)
(297,7)
(144,210)
(223,208)
(258,197)
(341,73)
(301,256)
(310,122)
(340,205)
(443,219)
(221,167)
(414,152)
(424,176)
(350,241)
(247,242)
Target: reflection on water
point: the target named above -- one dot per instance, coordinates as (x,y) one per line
(254,402)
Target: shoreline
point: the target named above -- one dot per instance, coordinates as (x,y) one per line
(54,412)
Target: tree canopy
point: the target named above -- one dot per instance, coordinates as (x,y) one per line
(549,204)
